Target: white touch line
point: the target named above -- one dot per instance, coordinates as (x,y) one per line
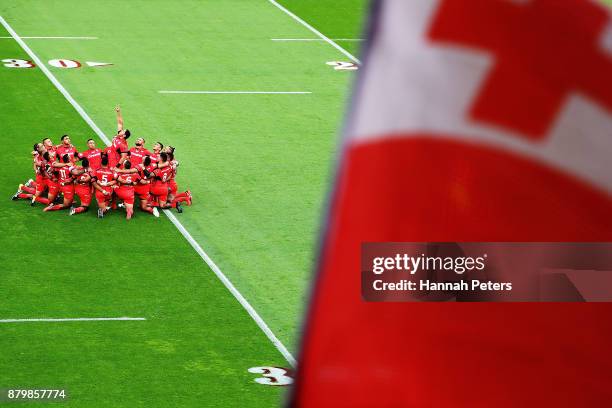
(76,319)
(262,325)
(228,284)
(55,38)
(317,32)
(237,92)
(315,39)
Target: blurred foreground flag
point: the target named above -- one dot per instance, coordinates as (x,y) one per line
(475,120)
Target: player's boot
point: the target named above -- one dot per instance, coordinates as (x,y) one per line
(155,212)
(120,205)
(15,196)
(100,213)
(33,201)
(72,210)
(29,182)
(179,209)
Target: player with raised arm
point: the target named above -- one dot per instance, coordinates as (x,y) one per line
(104,180)
(150,175)
(65,183)
(82,186)
(117,151)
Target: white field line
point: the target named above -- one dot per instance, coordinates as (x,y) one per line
(317,32)
(75,319)
(238,92)
(228,284)
(54,38)
(262,325)
(315,39)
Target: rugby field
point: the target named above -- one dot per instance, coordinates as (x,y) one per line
(255,145)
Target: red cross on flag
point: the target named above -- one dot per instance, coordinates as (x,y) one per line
(474,120)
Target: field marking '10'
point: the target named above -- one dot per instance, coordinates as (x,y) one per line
(57,63)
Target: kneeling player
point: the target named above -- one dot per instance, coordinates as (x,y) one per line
(82,186)
(159,187)
(143,188)
(48,180)
(125,191)
(103,184)
(28,190)
(142,182)
(65,183)
(174,197)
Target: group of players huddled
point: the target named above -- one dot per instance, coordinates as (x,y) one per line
(111,174)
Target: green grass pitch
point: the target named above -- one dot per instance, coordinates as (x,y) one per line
(257,166)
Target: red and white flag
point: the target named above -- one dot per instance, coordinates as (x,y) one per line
(474,120)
